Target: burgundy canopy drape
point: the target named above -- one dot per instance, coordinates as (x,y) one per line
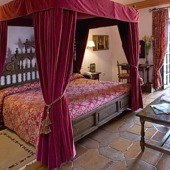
(160,40)
(82,32)
(54,37)
(3,44)
(130,41)
(3,48)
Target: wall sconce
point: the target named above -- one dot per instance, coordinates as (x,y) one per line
(90,44)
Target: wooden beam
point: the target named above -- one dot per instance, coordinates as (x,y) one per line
(149,3)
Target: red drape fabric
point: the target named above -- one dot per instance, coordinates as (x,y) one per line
(54,40)
(3,44)
(82,32)
(130,42)
(104,8)
(160,39)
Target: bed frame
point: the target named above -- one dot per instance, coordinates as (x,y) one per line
(22,69)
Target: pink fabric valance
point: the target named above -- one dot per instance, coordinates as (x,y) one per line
(106,8)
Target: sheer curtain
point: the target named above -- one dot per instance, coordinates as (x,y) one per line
(54,40)
(160,39)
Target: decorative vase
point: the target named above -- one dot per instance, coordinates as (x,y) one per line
(146,62)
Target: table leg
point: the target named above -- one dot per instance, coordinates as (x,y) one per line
(147,74)
(142,141)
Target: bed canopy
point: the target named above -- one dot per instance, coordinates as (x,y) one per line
(56,25)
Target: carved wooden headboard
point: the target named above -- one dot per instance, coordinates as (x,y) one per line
(22,68)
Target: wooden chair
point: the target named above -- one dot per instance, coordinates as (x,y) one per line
(123,72)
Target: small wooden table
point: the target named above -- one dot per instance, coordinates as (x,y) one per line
(147,114)
(141,67)
(93,76)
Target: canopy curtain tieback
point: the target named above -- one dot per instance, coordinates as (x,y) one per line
(45,124)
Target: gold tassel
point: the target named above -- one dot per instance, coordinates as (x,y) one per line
(45,124)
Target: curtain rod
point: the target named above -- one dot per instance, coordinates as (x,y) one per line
(155,9)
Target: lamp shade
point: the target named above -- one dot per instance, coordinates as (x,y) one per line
(90,44)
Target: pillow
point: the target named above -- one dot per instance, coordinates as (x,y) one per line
(76,76)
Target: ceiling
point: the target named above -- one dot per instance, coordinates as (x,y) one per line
(4,1)
(127,1)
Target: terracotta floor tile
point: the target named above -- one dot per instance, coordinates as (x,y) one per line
(80,161)
(91,161)
(136,164)
(117,165)
(163,129)
(137,121)
(67,166)
(150,132)
(113,126)
(80,150)
(121,144)
(164,163)
(133,151)
(103,137)
(125,126)
(89,143)
(151,156)
(158,136)
(135,129)
(129,116)
(111,153)
(130,136)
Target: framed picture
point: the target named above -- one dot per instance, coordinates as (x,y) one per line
(93,68)
(142,49)
(101,42)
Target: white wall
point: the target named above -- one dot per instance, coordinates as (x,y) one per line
(102,58)
(16,37)
(105,60)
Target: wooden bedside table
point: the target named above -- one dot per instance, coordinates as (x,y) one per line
(90,75)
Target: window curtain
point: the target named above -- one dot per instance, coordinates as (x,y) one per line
(130,41)
(54,39)
(160,40)
(3,44)
(82,32)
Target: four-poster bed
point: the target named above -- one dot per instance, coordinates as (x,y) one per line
(54,55)
(91,103)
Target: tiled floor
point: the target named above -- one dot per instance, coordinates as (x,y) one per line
(116,146)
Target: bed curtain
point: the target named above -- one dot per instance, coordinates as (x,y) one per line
(55,70)
(129,35)
(3,44)
(82,32)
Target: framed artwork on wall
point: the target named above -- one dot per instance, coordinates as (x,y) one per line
(93,68)
(101,42)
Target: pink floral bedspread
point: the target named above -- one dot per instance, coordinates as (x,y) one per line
(22,109)
(85,95)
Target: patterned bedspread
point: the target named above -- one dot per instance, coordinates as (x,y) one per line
(23,106)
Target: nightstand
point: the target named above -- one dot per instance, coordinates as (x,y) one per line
(93,76)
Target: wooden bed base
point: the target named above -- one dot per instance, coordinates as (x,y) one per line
(22,69)
(99,116)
